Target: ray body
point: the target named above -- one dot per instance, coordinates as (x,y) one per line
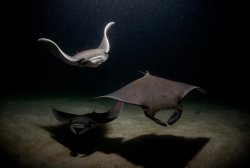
(87,58)
(79,124)
(154,94)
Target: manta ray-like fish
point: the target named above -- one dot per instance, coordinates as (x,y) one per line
(154,94)
(87,58)
(79,124)
(150,92)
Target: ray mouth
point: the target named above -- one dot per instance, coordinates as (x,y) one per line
(78,129)
(78,126)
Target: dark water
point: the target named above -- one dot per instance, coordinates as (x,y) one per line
(184,40)
(200,42)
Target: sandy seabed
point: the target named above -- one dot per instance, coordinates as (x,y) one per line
(208,135)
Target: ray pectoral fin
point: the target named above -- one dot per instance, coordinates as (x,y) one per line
(176,115)
(62,116)
(55,50)
(105,42)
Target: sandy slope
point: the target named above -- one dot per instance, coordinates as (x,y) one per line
(207,135)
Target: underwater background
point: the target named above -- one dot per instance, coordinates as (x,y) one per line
(192,41)
(200,42)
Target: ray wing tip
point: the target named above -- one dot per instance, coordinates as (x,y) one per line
(43,39)
(201,90)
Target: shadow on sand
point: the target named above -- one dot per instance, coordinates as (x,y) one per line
(147,150)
